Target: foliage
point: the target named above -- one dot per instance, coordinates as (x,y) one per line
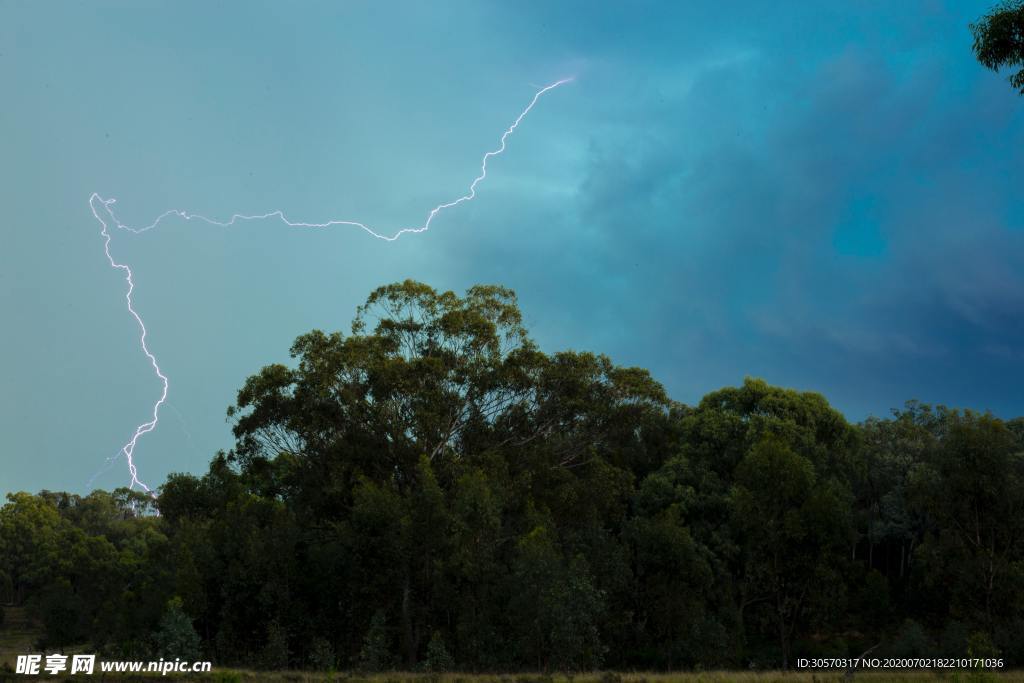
(434,493)
(275,648)
(438,658)
(176,638)
(376,652)
(999,39)
(321,655)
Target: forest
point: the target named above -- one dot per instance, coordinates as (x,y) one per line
(432,492)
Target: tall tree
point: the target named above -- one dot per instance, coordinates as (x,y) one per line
(794,528)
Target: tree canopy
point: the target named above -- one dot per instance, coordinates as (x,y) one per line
(999,40)
(433,492)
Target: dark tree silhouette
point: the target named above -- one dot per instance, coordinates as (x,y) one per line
(999,39)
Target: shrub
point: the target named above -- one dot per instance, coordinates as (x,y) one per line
(275,651)
(321,655)
(376,652)
(438,658)
(176,636)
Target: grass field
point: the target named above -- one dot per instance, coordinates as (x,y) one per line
(227,676)
(242,676)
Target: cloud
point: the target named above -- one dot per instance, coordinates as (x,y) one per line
(847,232)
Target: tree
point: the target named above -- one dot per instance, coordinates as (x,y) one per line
(794,528)
(435,370)
(433,492)
(438,658)
(678,607)
(721,430)
(31,553)
(972,488)
(400,444)
(999,39)
(555,606)
(376,652)
(476,567)
(177,637)
(321,655)
(275,652)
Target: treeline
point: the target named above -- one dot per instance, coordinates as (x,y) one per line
(433,492)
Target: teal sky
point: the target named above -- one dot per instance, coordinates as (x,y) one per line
(826,195)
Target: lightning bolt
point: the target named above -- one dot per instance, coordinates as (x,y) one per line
(101,209)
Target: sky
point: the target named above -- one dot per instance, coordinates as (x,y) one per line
(825,195)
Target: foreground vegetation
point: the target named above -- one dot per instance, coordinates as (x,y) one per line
(245,676)
(434,493)
(613,677)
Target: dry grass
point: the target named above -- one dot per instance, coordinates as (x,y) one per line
(242,676)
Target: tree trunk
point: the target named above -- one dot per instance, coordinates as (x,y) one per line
(783,636)
(407,636)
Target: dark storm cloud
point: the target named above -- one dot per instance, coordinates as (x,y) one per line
(826,195)
(938,286)
(850,232)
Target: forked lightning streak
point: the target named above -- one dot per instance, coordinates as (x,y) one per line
(101,209)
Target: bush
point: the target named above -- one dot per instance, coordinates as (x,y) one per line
(275,652)
(980,645)
(954,639)
(226,677)
(438,658)
(176,636)
(376,652)
(321,655)
(911,641)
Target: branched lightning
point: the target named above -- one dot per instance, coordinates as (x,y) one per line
(102,207)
